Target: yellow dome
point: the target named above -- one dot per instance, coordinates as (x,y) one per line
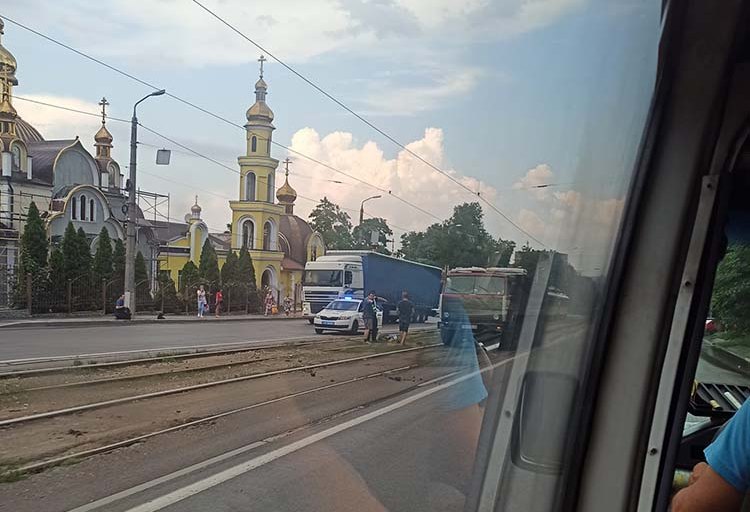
(286,194)
(103,136)
(259,109)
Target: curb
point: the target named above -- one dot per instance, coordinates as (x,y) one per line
(727,357)
(26,324)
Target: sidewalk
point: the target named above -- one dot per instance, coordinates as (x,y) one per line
(143,318)
(716,350)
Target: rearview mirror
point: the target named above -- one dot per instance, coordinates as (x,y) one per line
(541,425)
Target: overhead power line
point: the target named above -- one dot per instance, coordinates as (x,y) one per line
(365,120)
(208,112)
(188,151)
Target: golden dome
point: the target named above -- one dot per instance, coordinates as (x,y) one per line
(8,64)
(259,109)
(103,136)
(286,194)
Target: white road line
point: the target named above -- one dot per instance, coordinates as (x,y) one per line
(233,472)
(224,456)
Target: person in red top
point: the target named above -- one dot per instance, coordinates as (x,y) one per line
(219,302)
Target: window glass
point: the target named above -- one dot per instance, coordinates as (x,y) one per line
(497,134)
(343,305)
(322,278)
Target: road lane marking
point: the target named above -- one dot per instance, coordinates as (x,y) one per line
(219,458)
(261,460)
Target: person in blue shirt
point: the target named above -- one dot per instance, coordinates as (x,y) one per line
(720,483)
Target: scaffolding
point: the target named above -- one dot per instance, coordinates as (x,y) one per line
(153,205)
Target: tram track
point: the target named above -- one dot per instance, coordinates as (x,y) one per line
(14,421)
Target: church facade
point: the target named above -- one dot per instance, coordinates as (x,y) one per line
(64,180)
(263,220)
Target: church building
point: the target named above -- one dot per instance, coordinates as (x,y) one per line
(279,242)
(62,178)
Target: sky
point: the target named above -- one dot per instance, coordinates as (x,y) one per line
(502,95)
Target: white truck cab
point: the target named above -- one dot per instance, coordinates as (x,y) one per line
(328,278)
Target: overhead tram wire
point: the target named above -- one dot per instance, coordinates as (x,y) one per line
(212,114)
(189,150)
(366,121)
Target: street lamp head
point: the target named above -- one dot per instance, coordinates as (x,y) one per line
(159,92)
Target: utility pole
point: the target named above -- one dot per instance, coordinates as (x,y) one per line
(131,210)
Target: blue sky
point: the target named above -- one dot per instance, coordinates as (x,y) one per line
(505,94)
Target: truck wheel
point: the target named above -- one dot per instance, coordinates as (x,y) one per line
(318,331)
(355,327)
(311,321)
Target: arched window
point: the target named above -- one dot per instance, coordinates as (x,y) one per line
(254,144)
(91,210)
(15,149)
(248,234)
(267,236)
(250,186)
(83,207)
(268,145)
(74,209)
(271,188)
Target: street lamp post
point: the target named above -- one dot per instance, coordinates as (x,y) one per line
(362,208)
(131,230)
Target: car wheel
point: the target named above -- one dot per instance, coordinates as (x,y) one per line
(318,331)
(355,327)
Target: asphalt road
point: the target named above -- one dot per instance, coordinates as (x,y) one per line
(386,443)
(28,342)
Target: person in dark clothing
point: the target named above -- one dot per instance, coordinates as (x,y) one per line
(122,312)
(370,316)
(405,311)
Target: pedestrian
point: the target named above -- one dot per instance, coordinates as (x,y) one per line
(269,303)
(287,305)
(122,312)
(219,302)
(370,316)
(405,311)
(201,295)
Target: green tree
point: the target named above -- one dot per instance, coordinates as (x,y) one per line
(76,254)
(34,243)
(731,295)
(166,297)
(84,251)
(229,270)
(102,265)
(461,241)
(57,281)
(189,276)
(117,287)
(362,235)
(333,224)
(246,278)
(142,284)
(209,266)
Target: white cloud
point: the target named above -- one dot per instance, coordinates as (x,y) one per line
(403,175)
(56,123)
(534,177)
(388,97)
(179,32)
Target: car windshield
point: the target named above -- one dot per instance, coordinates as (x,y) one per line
(322,278)
(343,305)
(476,285)
(188,185)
